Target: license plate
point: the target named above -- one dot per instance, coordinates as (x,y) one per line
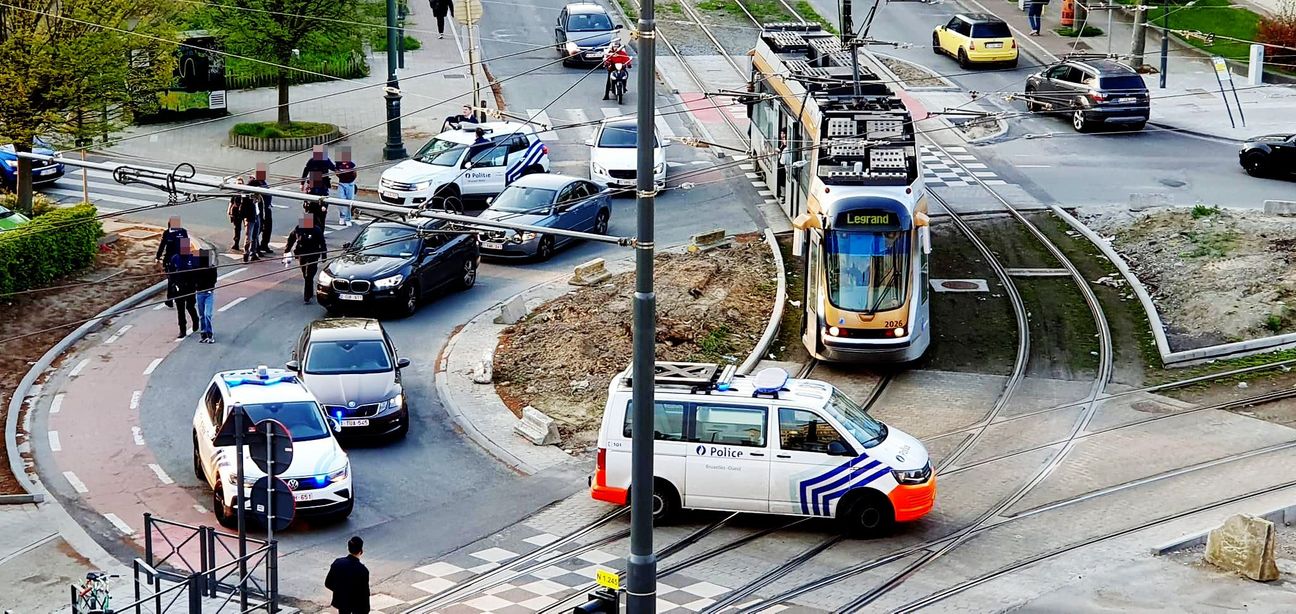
(307,495)
(48,171)
(391,195)
(994,45)
(1126,99)
(356,422)
(351,297)
(491,245)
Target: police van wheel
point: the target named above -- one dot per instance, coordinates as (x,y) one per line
(225,515)
(666,503)
(198,470)
(866,514)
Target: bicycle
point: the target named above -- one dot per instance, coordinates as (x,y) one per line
(93,596)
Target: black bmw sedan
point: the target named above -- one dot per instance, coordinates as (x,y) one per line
(1269,155)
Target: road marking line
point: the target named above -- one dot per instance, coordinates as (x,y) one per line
(119,523)
(56,405)
(583,129)
(159,306)
(117,335)
(747,167)
(758,184)
(764,192)
(138,435)
(201,509)
(55,444)
(161,475)
(542,117)
(231,273)
(232,303)
(152,365)
(135,399)
(1032,166)
(752,175)
(663,128)
(76,482)
(975,165)
(79,366)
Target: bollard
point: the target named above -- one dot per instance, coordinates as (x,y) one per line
(1255,68)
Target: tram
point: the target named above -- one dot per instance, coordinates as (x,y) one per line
(839,149)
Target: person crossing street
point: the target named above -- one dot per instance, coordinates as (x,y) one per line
(181,285)
(169,245)
(204,282)
(306,242)
(267,212)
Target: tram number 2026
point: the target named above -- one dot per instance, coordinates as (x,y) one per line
(895,323)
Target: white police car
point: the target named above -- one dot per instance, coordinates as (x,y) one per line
(320,473)
(453,165)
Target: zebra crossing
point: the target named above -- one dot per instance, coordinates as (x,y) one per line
(108,195)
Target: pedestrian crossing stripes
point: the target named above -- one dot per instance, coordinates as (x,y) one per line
(957,168)
(108,195)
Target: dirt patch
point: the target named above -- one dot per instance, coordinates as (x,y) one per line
(912,75)
(1215,275)
(978,128)
(711,307)
(122,269)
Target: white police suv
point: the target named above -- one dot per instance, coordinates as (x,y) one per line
(454,165)
(320,473)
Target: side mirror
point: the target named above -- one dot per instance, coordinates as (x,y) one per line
(838,448)
(293,365)
(490,199)
(589,142)
(402,363)
(468,165)
(337,424)
(618,27)
(428,251)
(346,245)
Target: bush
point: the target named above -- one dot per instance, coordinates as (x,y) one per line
(1088,31)
(1279,36)
(273,130)
(60,242)
(411,43)
(1202,211)
(41,204)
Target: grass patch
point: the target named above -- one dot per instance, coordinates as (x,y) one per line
(971,332)
(629,9)
(1205,211)
(1207,17)
(1072,32)
(765,11)
(807,11)
(411,43)
(1211,243)
(787,343)
(273,130)
(716,345)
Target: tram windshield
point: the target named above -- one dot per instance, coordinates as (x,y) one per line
(867,271)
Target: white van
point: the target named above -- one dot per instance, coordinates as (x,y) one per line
(453,165)
(766,444)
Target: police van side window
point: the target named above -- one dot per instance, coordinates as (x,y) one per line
(215,406)
(729,425)
(803,431)
(668,420)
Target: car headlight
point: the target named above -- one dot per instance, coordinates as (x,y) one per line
(660,168)
(324,278)
(526,236)
(572,48)
(392,404)
(341,474)
(389,282)
(598,168)
(419,186)
(913,476)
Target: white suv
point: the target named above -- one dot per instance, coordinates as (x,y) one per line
(453,165)
(320,473)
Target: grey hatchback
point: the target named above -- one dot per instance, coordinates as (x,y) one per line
(351,366)
(549,201)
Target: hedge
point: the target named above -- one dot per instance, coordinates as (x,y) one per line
(51,246)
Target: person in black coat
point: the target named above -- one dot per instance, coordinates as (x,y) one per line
(181,285)
(440,8)
(267,213)
(306,242)
(169,245)
(348,578)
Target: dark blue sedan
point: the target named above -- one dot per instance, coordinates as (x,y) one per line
(549,201)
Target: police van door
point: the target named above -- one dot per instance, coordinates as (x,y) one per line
(728,465)
(486,176)
(813,465)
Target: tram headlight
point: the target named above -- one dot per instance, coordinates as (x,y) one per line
(900,331)
(834,331)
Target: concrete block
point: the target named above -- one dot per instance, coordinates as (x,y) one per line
(536,427)
(513,310)
(484,370)
(1244,544)
(708,241)
(1285,208)
(590,273)
(1141,201)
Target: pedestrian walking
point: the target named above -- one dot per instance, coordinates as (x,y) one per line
(252,227)
(317,180)
(205,293)
(441,8)
(346,176)
(267,212)
(239,206)
(348,578)
(169,245)
(180,286)
(307,243)
(1034,13)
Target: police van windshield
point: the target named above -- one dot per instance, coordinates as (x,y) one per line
(867,431)
(440,152)
(302,418)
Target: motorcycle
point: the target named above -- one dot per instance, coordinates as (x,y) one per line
(620,77)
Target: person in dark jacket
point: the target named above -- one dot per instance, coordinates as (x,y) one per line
(465,116)
(253,205)
(318,172)
(204,281)
(307,243)
(441,8)
(348,578)
(1034,13)
(240,206)
(169,245)
(180,286)
(267,212)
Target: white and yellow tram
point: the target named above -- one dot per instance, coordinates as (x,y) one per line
(841,157)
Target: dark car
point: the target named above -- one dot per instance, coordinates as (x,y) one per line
(551,201)
(1269,155)
(43,171)
(395,265)
(351,366)
(581,33)
(1090,91)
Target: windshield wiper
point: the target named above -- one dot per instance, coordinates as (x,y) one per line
(886,283)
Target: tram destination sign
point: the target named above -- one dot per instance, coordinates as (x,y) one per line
(868,219)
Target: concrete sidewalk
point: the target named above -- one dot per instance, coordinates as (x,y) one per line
(1191,100)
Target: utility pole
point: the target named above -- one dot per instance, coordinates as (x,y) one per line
(472,65)
(395,149)
(1138,44)
(1165,42)
(641,566)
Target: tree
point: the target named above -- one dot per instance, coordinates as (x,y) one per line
(58,56)
(1278,33)
(276,30)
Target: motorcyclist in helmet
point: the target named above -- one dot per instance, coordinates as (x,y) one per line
(615,60)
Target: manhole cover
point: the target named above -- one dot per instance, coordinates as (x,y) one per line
(954,284)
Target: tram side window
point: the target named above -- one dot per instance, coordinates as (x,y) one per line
(668,420)
(812,275)
(765,117)
(731,426)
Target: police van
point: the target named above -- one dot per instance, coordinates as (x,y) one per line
(766,444)
(453,165)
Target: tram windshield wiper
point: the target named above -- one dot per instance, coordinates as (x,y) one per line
(887,283)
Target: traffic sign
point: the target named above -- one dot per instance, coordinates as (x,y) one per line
(277,493)
(1221,67)
(467,12)
(225,435)
(608,579)
(272,459)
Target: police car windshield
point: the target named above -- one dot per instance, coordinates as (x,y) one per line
(338,357)
(515,199)
(4,213)
(440,152)
(302,418)
(867,431)
(393,242)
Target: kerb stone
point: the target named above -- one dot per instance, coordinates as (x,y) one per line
(590,273)
(1244,544)
(536,427)
(512,310)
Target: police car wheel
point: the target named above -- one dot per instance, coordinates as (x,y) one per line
(866,515)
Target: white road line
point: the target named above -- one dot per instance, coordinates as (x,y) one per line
(135,399)
(975,165)
(56,404)
(984,174)
(232,303)
(55,444)
(1032,166)
(76,482)
(612,112)
(117,335)
(752,175)
(747,167)
(79,366)
(758,184)
(119,523)
(159,306)
(231,273)
(583,131)
(137,435)
(161,475)
(152,365)
(542,117)
(201,509)
(764,192)
(663,128)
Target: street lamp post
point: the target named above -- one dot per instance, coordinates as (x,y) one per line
(395,149)
(641,567)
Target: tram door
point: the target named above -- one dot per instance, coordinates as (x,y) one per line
(814,270)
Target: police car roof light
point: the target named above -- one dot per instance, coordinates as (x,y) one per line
(260,377)
(263,372)
(769,381)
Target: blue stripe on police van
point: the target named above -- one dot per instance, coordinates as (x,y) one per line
(806,484)
(833,496)
(532,155)
(818,491)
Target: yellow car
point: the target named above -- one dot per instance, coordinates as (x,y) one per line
(976,38)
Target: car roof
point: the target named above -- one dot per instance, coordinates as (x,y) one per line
(468,134)
(1104,66)
(545,180)
(979,18)
(278,385)
(345,329)
(585,7)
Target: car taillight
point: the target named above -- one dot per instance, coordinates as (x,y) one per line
(1097,96)
(972,45)
(1012,44)
(600,463)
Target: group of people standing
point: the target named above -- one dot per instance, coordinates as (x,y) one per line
(191,280)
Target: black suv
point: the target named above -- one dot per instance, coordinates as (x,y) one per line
(395,264)
(1091,91)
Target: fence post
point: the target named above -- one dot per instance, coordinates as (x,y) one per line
(203,567)
(148,538)
(195,594)
(73,590)
(135,568)
(209,564)
(272,575)
(157,592)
